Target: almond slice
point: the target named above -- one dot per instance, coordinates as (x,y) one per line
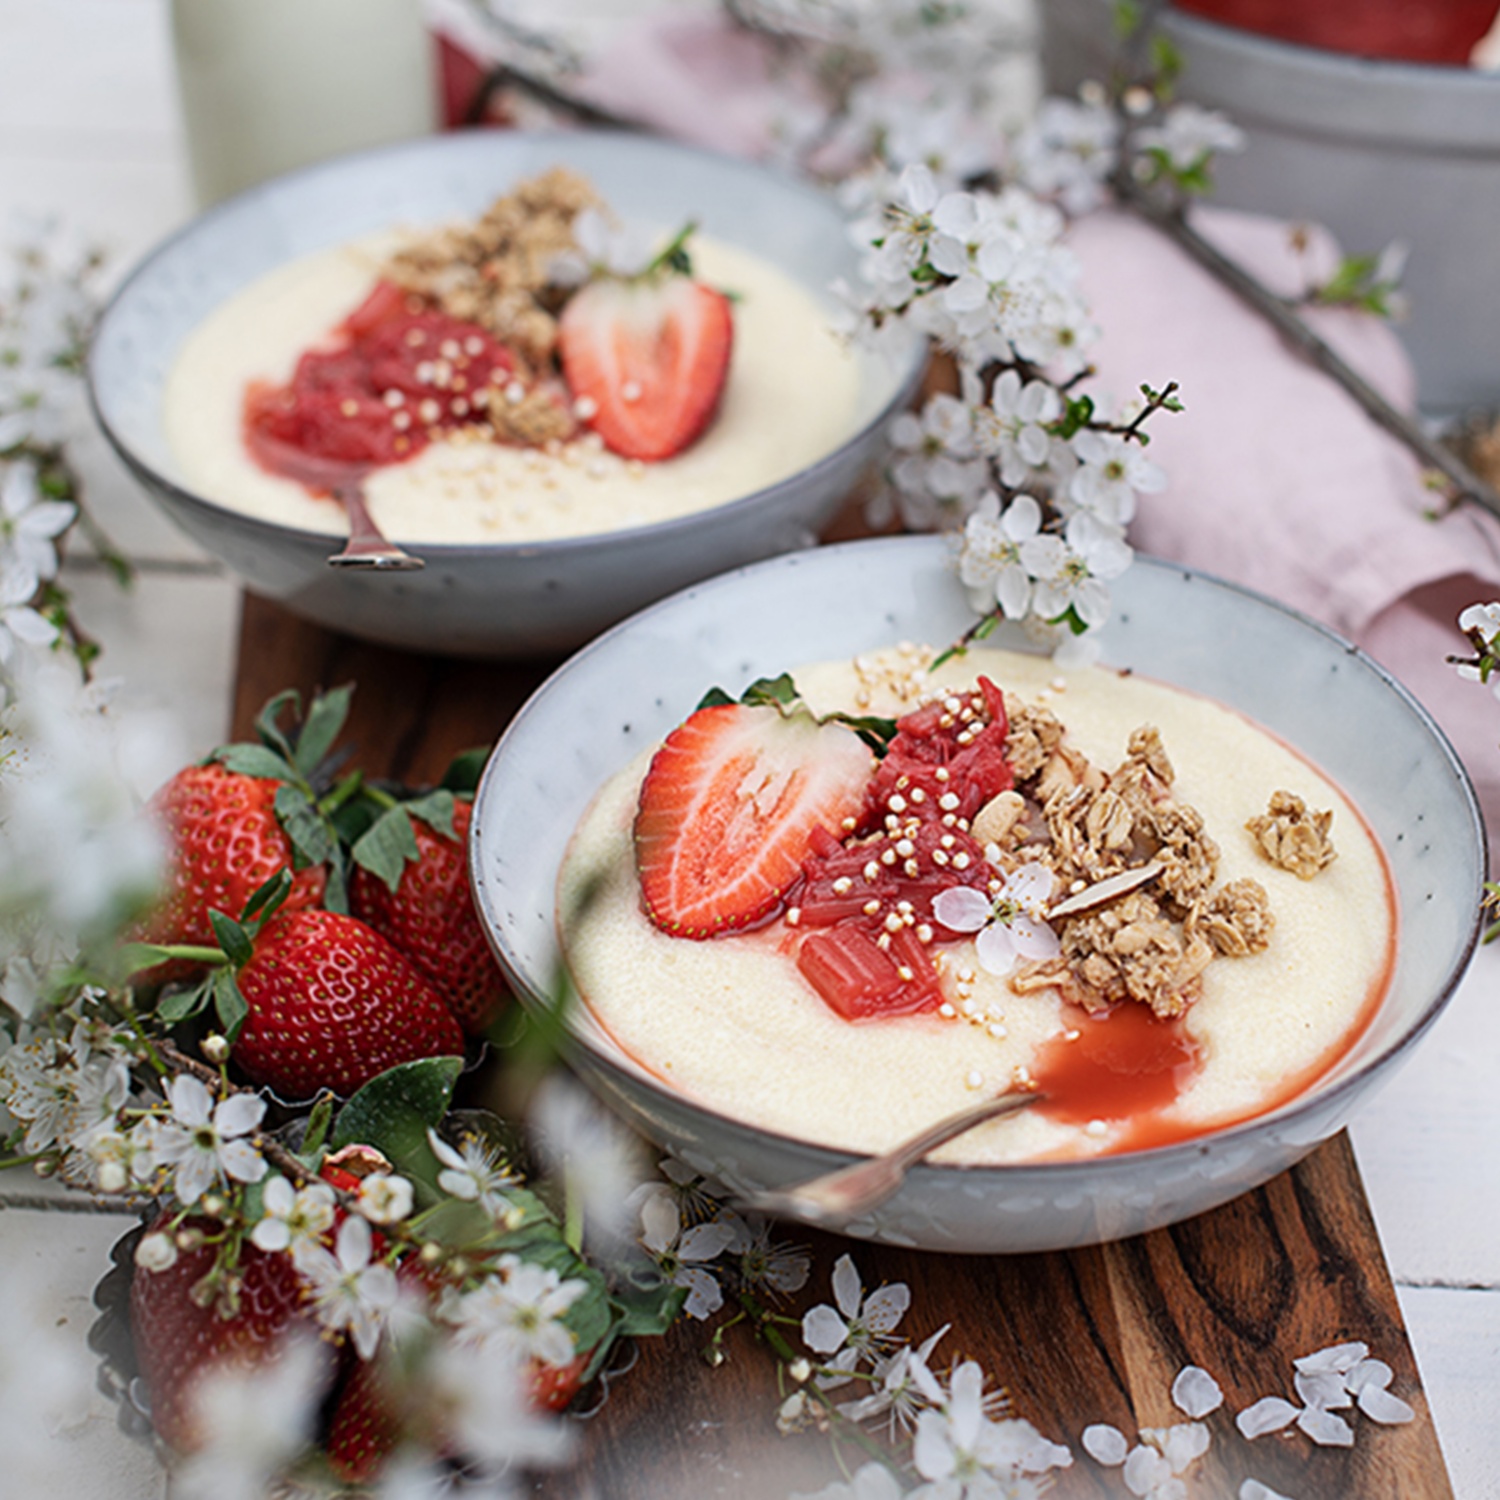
(1108,889)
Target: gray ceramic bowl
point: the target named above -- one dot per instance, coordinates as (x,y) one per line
(629,688)
(499,599)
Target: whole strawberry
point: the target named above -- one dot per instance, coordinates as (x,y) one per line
(179,1335)
(224,842)
(430,917)
(330,1004)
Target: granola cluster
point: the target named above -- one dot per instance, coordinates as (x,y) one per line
(1294,837)
(1150,943)
(494,270)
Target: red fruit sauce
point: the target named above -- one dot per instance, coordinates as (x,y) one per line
(396,374)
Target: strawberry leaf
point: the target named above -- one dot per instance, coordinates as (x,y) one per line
(309,829)
(465,769)
(229,1003)
(325,722)
(384,848)
(267,897)
(435,810)
(181,1004)
(256,760)
(268,729)
(232,937)
(392,1112)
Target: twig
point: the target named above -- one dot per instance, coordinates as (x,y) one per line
(1171,221)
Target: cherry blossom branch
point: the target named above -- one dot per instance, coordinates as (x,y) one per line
(1171,221)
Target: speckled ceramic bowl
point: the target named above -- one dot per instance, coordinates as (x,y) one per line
(516,599)
(1301,681)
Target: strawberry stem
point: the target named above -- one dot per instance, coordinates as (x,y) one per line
(352,783)
(674,256)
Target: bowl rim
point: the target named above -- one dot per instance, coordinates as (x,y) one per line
(907,367)
(1316,1099)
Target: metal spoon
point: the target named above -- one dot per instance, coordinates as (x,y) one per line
(367,546)
(836,1198)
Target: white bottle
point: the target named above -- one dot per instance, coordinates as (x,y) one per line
(269,85)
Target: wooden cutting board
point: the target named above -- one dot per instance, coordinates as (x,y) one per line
(1087,1336)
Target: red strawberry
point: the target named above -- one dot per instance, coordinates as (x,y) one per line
(177,1340)
(225,842)
(651,356)
(553,1386)
(366,1426)
(430,917)
(332,1004)
(728,809)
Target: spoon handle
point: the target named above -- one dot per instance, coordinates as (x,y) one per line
(832,1200)
(367,546)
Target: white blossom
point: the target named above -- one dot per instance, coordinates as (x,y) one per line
(1188,135)
(900,1383)
(30,524)
(518,1309)
(347,1290)
(474,1173)
(989,563)
(1071,571)
(598,1160)
(858,1328)
(252,1423)
(967,1455)
(293,1216)
(871,1481)
(1013,427)
(385,1198)
(682,1254)
(204,1142)
(1112,470)
(1011,925)
(1067,151)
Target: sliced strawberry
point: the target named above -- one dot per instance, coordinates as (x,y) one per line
(650,357)
(728,810)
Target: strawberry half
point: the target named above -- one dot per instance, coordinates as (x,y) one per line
(728,809)
(650,357)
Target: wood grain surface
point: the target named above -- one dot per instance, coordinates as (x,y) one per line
(1094,1335)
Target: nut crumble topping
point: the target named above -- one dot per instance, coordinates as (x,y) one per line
(1294,837)
(495,271)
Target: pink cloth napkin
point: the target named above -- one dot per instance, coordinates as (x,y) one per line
(1276,478)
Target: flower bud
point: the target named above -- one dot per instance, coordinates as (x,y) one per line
(215,1048)
(156,1252)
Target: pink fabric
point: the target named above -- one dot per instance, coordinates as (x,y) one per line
(1276,478)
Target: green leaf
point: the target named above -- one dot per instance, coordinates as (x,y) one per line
(715,697)
(310,831)
(778,692)
(267,896)
(268,729)
(232,938)
(435,810)
(465,769)
(325,721)
(256,760)
(181,1004)
(385,848)
(393,1111)
(648,1308)
(230,1004)
(336,891)
(318,1122)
